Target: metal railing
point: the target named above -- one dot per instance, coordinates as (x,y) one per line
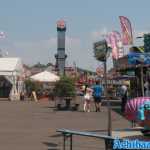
(69,133)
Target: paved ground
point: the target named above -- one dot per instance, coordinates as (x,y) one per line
(32,125)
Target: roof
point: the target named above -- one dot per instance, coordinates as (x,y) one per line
(10,65)
(45,76)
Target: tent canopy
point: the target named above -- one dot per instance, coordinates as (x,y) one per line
(10,66)
(45,76)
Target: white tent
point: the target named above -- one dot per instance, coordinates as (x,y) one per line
(12,70)
(10,66)
(45,76)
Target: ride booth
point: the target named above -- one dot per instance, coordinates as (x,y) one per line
(137,109)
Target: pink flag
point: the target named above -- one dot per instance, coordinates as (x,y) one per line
(115,42)
(113,45)
(111,42)
(119,44)
(127,37)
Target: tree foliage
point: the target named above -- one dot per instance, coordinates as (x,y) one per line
(31,86)
(65,87)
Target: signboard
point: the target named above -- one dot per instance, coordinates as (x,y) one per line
(61,25)
(139,58)
(100,71)
(100,50)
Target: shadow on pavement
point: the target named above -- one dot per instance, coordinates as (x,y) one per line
(51,146)
(117,110)
(56,135)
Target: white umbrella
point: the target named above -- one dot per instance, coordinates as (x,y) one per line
(45,76)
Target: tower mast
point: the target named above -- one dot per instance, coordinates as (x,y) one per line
(61,56)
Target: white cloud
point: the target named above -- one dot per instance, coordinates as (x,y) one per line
(98,34)
(43,51)
(36,51)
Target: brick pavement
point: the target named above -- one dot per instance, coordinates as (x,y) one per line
(32,125)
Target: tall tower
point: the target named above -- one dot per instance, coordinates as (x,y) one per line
(61,56)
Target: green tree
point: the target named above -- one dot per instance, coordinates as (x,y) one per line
(31,86)
(147,42)
(65,87)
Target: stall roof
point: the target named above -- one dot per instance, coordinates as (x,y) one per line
(124,77)
(45,76)
(9,65)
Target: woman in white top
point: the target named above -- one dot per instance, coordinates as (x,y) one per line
(87,99)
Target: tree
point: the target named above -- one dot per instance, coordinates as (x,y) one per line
(31,86)
(39,65)
(147,42)
(65,89)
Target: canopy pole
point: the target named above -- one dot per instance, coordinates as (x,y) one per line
(142,82)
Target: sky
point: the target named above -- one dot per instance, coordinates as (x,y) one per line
(30,27)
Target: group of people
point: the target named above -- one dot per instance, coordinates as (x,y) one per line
(92,93)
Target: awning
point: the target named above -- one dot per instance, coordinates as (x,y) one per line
(45,76)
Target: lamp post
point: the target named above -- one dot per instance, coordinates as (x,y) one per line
(101,51)
(106,94)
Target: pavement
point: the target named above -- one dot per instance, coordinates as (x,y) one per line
(29,125)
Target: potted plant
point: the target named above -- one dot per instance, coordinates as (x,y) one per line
(65,89)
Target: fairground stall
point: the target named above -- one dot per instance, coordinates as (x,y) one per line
(11,78)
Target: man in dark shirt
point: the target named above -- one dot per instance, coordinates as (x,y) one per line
(97,93)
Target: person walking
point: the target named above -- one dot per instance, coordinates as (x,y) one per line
(87,99)
(97,93)
(124,96)
(147,89)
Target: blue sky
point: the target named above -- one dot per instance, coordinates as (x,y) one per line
(30,27)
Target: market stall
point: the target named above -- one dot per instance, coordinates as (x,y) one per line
(11,76)
(46,81)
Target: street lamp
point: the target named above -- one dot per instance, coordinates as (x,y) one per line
(101,51)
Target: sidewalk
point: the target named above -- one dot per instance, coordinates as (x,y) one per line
(32,126)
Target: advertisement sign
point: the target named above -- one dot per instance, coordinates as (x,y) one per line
(139,58)
(100,50)
(61,25)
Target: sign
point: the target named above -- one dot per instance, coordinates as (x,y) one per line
(139,58)
(100,71)
(61,25)
(100,50)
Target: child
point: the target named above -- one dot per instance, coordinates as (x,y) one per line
(87,99)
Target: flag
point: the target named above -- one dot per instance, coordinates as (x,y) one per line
(119,45)
(115,42)
(127,37)
(111,42)
(113,45)
(2,35)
